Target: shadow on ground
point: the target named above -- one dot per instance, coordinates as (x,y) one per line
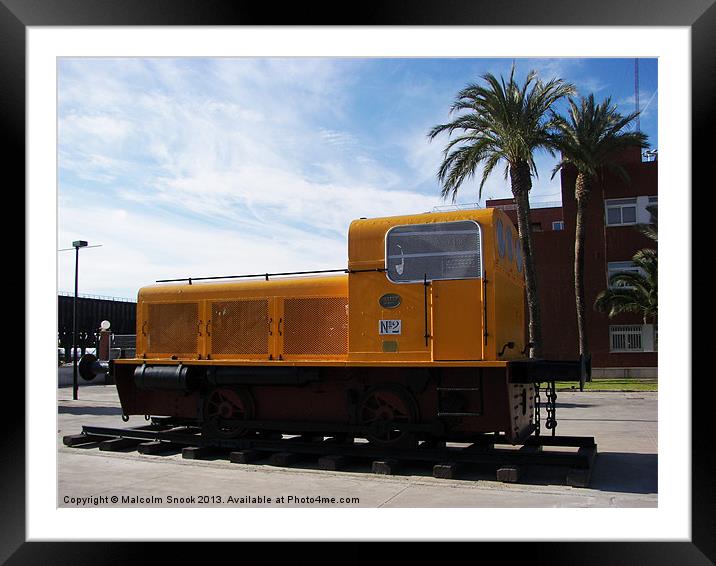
(89,410)
(626,472)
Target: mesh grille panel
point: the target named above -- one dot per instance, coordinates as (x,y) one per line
(316,325)
(240,327)
(173,328)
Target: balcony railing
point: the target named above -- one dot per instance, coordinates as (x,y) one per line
(545,204)
(102,297)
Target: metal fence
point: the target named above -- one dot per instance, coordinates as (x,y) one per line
(120,346)
(100,297)
(91,311)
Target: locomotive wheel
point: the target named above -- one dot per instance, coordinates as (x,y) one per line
(384,405)
(222,405)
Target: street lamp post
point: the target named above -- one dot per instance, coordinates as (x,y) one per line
(77,245)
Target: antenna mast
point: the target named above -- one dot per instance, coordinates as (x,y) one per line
(636,92)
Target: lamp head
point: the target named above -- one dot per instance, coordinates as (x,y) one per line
(79,244)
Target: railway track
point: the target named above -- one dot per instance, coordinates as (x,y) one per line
(486,452)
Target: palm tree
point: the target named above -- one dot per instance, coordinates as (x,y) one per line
(633,292)
(503,122)
(589,139)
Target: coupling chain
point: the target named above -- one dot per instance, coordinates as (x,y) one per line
(551,422)
(537,409)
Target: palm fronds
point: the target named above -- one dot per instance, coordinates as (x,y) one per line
(498,120)
(633,292)
(592,135)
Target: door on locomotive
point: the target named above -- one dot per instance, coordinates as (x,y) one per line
(447,257)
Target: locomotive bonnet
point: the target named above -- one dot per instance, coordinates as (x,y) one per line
(421,337)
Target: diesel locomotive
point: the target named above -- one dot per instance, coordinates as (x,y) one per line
(421,337)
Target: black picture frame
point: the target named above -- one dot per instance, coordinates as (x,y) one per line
(698,15)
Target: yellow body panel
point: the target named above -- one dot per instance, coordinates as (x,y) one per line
(364,311)
(336,320)
(458,305)
(248,315)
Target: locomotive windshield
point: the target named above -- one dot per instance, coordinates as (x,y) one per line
(443,250)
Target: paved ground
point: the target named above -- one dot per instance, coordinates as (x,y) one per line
(625,475)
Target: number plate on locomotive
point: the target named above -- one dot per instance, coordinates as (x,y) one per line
(390,327)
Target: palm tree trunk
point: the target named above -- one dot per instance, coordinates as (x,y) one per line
(581,193)
(521,184)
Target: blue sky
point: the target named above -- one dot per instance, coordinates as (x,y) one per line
(197,167)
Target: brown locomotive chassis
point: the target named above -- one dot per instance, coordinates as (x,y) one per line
(447,402)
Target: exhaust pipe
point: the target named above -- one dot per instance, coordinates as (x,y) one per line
(90,367)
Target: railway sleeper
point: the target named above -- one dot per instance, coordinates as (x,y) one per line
(338,451)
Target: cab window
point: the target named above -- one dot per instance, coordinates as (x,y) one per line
(500,237)
(444,250)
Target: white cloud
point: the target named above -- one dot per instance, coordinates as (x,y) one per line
(648,103)
(139,248)
(204,170)
(75,126)
(258,193)
(343,140)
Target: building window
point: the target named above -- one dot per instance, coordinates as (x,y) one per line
(508,237)
(442,250)
(536,226)
(632,338)
(558,225)
(621,212)
(614,267)
(625,338)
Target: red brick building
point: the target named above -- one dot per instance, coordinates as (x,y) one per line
(624,345)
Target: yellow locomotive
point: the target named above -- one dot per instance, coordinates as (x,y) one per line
(421,337)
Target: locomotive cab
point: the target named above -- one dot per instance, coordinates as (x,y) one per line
(435,287)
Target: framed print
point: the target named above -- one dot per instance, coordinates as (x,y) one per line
(54,55)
